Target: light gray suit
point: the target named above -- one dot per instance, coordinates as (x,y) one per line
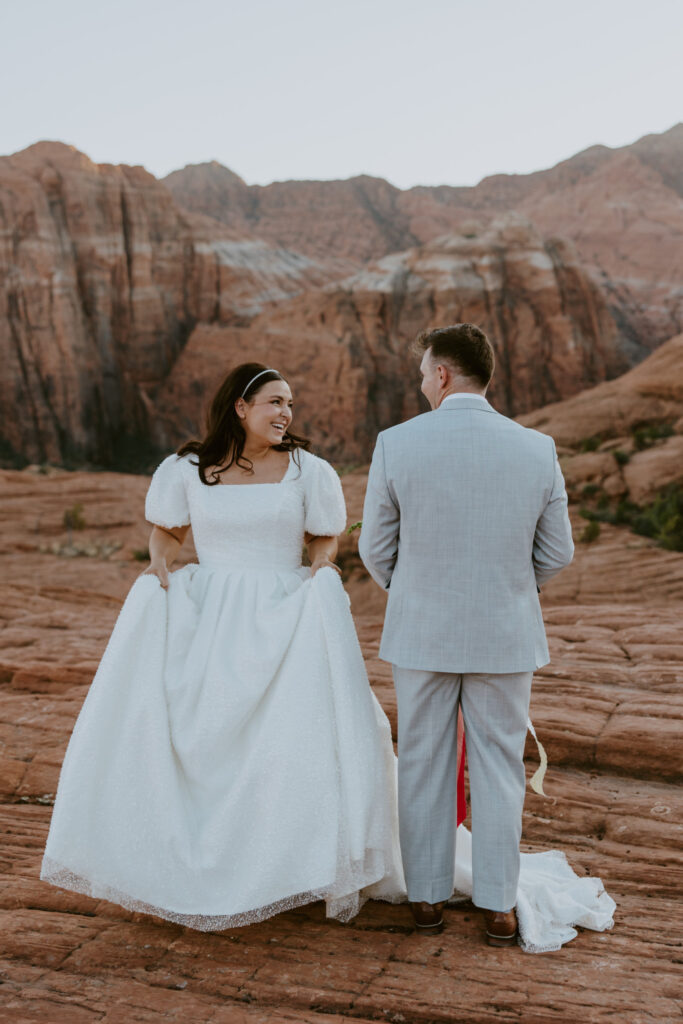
(465,514)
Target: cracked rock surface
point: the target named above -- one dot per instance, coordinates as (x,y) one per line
(607,709)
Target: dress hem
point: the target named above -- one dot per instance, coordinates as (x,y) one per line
(342,908)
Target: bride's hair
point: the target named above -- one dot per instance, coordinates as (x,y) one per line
(223,443)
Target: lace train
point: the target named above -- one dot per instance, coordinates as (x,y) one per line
(552,900)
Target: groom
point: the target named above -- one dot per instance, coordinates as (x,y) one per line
(465,518)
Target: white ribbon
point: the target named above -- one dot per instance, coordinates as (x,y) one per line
(536,780)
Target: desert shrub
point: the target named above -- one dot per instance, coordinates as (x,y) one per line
(647,434)
(590,532)
(661,519)
(590,444)
(73,518)
(621,456)
(141,554)
(590,490)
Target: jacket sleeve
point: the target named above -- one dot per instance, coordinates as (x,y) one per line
(553,547)
(378,544)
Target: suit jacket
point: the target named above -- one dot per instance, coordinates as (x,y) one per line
(465,514)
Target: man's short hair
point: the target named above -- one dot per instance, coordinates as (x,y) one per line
(464,347)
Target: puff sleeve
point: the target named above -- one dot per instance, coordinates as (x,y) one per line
(325,507)
(166,503)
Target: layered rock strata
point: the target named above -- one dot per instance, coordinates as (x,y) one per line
(346,348)
(621,207)
(102,279)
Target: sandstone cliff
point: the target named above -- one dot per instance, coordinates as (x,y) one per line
(621,207)
(102,279)
(345,348)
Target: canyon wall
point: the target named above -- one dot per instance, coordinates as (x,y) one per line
(622,208)
(346,348)
(102,280)
(124,299)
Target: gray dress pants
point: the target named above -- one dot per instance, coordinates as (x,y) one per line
(495,710)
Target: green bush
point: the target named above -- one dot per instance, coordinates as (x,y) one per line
(621,456)
(661,520)
(647,434)
(141,554)
(590,490)
(590,533)
(590,444)
(73,518)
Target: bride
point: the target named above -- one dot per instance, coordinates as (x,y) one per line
(230,760)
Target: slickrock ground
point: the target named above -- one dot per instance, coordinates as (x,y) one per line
(607,708)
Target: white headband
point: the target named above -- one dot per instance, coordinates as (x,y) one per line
(256,378)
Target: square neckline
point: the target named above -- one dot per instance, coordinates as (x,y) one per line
(264,483)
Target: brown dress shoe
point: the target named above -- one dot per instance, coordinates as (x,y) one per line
(501,927)
(428,917)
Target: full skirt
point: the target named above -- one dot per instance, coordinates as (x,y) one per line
(230,762)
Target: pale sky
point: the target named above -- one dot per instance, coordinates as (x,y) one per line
(429,92)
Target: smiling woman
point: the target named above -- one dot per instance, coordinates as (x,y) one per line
(230,760)
(247,432)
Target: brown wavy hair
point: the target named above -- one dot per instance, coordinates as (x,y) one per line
(223,443)
(464,346)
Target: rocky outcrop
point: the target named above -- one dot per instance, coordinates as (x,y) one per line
(355,220)
(102,279)
(623,438)
(621,208)
(345,348)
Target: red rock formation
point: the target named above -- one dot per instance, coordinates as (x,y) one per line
(345,348)
(621,419)
(357,220)
(621,208)
(607,708)
(102,278)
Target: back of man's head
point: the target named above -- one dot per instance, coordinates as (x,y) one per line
(463,347)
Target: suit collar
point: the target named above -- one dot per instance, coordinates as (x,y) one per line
(464,401)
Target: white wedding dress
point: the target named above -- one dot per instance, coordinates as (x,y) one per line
(230,760)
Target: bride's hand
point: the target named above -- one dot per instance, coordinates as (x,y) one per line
(323,563)
(158,569)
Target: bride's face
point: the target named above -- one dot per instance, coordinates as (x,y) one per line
(268,414)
